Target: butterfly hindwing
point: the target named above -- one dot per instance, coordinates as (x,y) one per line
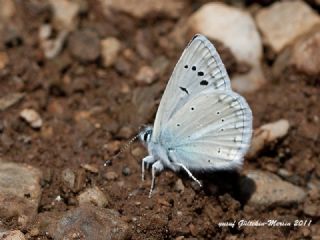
(198,69)
(212,131)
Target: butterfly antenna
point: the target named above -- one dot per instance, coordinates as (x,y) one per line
(122,149)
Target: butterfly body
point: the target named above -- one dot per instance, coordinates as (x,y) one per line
(201,124)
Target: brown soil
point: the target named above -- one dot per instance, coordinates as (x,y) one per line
(65,92)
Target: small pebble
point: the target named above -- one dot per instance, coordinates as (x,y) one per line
(126,171)
(266,134)
(110,50)
(90,167)
(93,196)
(125,132)
(68,178)
(110,176)
(179,187)
(112,147)
(31,117)
(84,45)
(146,75)
(164,202)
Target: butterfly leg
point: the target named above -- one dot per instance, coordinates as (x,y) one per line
(146,160)
(156,168)
(189,173)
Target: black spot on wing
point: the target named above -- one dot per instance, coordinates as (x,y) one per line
(204,82)
(184,89)
(200,73)
(194,68)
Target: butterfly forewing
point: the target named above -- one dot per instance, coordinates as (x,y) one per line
(198,69)
(211,131)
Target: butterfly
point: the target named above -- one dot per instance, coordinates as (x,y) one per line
(201,124)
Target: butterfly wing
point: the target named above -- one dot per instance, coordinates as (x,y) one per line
(211,131)
(198,68)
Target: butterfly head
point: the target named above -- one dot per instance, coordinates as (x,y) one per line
(145,134)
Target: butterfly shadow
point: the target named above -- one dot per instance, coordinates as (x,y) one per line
(220,182)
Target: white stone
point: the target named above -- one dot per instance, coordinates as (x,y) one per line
(52,47)
(284,21)
(266,134)
(45,31)
(248,82)
(110,50)
(65,13)
(233,27)
(31,117)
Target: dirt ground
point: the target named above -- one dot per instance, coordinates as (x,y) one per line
(89,111)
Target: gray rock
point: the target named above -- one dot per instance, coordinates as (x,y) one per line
(284,21)
(93,168)
(239,34)
(12,235)
(84,45)
(270,190)
(93,196)
(85,222)
(20,191)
